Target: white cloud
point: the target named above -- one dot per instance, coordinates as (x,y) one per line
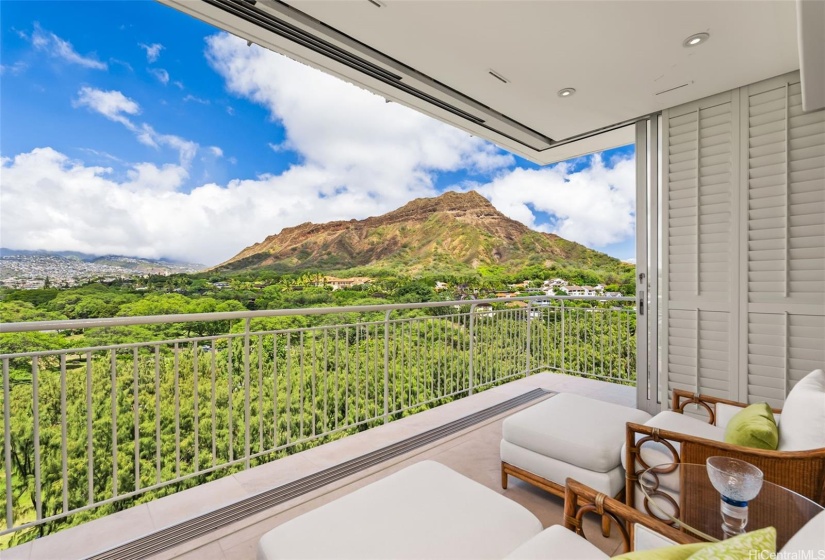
(50,43)
(594,206)
(152,51)
(178,84)
(377,149)
(216,151)
(191,97)
(111,104)
(117,107)
(161,75)
(13,69)
(147,215)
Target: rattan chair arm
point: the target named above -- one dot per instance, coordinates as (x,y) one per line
(682,398)
(728,448)
(580,499)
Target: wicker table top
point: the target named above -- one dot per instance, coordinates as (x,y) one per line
(683,496)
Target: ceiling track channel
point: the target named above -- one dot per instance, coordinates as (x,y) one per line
(287,31)
(264,20)
(204,524)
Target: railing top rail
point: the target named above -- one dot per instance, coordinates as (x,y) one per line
(78,324)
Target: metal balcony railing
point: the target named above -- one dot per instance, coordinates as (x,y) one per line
(99,427)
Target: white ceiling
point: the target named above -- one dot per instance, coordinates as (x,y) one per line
(618,54)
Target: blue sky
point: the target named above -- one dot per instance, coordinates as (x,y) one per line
(131,128)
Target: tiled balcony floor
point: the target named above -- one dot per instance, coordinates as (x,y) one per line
(473,452)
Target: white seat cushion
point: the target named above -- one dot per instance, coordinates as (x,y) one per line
(803,416)
(610,482)
(556,543)
(654,453)
(423,511)
(810,538)
(574,429)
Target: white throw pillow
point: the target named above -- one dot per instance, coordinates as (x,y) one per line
(803,416)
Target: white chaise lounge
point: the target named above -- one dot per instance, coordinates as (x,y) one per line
(424,511)
(428,511)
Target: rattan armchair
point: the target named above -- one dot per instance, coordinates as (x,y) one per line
(580,499)
(800,471)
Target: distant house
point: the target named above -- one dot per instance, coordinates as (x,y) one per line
(220,285)
(506,294)
(613,294)
(484,310)
(341,283)
(439,286)
(554,283)
(583,290)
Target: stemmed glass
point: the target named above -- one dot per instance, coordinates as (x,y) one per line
(738,482)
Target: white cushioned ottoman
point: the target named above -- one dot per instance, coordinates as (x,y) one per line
(423,511)
(568,436)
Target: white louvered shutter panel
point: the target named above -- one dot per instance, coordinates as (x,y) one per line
(783,288)
(700,243)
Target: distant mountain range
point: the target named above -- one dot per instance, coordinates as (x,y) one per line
(86,257)
(454,232)
(67,266)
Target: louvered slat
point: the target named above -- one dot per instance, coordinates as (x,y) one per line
(786,199)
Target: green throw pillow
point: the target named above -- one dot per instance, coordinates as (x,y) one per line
(753,426)
(756,544)
(675,552)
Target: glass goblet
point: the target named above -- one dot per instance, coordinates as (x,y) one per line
(738,482)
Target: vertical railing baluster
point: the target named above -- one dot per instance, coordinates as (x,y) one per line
(7,444)
(314,384)
(213,365)
(337,375)
(471,366)
(89,427)
(325,419)
(64,442)
(157,414)
(529,341)
(357,370)
(114,421)
(176,387)
(260,393)
(563,341)
(246,412)
(38,497)
(230,388)
(136,414)
(275,390)
(301,387)
(195,407)
(288,387)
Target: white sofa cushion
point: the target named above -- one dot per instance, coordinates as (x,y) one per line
(810,538)
(577,430)
(557,543)
(803,415)
(423,511)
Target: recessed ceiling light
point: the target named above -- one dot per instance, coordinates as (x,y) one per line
(696,39)
(566,92)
